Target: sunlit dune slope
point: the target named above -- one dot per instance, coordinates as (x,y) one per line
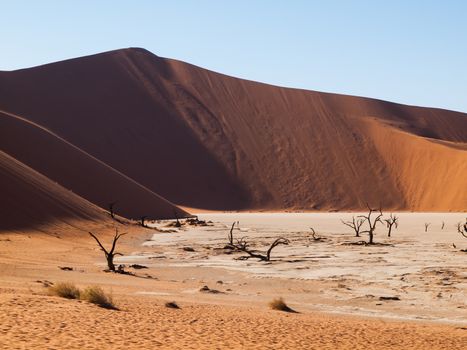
(206,140)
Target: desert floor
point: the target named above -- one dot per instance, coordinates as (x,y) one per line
(336,289)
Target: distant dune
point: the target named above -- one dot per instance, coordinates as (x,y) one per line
(142,124)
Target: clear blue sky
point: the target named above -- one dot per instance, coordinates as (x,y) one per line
(407,51)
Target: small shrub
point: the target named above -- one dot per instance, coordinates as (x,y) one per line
(96,295)
(65,290)
(279,304)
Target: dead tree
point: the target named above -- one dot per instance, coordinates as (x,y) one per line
(392,221)
(372,222)
(243,246)
(313,235)
(111,209)
(462,229)
(178,223)
(143,218)
(230,236)
(442,225)
(355,225)
(109,254)
(426,226)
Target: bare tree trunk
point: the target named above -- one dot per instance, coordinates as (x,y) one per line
(372,223)
(109,254)
(392,221)
(355,225)
(178,224)
(230,236)
(111,209)
(110,262)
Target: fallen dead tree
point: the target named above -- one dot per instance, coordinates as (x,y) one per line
(195,221)
(243,246)
(314,237)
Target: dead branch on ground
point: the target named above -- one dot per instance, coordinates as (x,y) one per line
(243,246)
(315,237)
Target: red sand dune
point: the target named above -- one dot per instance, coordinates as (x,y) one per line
(69,166)
(29,198)
(206,140)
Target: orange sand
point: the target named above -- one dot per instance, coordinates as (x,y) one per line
(32,320)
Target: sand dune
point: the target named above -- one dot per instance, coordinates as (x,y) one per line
(78,171)
(206,140)
(31,199)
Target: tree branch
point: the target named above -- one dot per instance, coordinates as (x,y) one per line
(98,242)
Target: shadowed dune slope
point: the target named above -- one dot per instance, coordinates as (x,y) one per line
(203,139)
(31,199)
(72,168)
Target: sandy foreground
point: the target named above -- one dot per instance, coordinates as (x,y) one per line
(335,288)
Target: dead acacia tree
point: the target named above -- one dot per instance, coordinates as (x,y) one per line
(314,236)
(372,221)
(392,221)
(442,225)
(243,246)
(355,225)
(462,229)
(143,218)
(111,209)
(230,237)
(426,226)
(178,223)
(109,254)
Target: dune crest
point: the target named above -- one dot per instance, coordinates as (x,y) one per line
(206,140)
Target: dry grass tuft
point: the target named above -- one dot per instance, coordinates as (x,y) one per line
(279,304)
(65,290)
(96,295)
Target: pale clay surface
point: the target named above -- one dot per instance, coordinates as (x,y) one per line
(422,268)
